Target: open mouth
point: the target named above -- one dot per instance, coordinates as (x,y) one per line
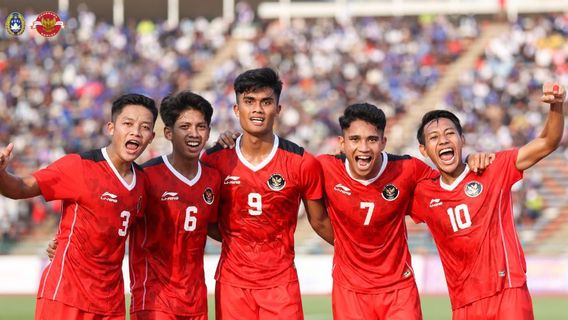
(132,145)
(446,155)
(363,162)
(192,144)
(257,120)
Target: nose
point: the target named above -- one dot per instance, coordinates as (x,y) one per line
(363,145)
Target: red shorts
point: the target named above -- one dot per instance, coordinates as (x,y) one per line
(511,303)
(399,304)
(159,315)
(281,302)
(49,309)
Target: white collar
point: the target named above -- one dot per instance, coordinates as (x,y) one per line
(368,182)
(264,162)
(451,187)
(130,186)
(180,176)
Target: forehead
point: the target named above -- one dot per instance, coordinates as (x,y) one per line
(191,115)
(362,128)
(137,112)
(261,93)
(440,124)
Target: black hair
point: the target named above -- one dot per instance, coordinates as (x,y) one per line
(436,115)
(252,80)
(173,105)
(366,112)
(133,99)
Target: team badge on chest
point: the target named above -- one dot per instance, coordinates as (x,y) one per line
(276,182)
(208,195)
(390,192)
(473,189)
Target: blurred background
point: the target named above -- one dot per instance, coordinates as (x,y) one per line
(486,60)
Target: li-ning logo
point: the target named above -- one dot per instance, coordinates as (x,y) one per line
(169,196)
(232,180)
(343,189)
(435,203)
(107,196)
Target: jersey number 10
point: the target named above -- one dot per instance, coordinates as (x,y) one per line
(459,217)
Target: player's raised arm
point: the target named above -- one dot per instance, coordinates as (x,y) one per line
(12,186)
(319,220)
(549,139)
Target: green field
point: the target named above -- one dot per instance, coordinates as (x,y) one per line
(319,308)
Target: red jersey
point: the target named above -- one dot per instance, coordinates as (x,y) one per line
(167,247)
(99,206)
(370,247)
(473,226)
(259,210)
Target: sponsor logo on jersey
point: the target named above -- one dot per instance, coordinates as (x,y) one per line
(232,180)
(502,274)
(390,192)
(15,24)
(48,24)
(343,189)
(406,274)
(276,182)
(435,203)
(107,196)
(208,195)
(168,195)
(473,189)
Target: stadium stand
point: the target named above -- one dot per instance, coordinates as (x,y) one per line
(52,106)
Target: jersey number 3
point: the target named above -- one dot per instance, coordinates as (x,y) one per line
(459,217)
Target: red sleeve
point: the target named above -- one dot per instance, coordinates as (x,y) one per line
(507,161)
(311,178)
(62,179)
(413,210)
(207,159)
(217,194)
(423,171)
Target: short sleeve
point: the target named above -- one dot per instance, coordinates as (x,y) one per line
(423,171)
(61,180)
(506,163)
(311,178)
(216,194)
(414,210)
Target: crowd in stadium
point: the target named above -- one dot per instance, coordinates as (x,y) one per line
(56,93)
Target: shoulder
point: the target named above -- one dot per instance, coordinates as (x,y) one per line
(331,158)
(92,155)
(152,162)
(290,147)
(217,148)
(210,172)
(396,157)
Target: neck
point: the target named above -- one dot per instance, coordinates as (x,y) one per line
(187,167)
(450,177)
(256,148)
(124,168)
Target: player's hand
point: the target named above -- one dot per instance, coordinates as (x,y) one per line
(5,156)
(478,162)
(51,246)
(553,92)
(227,139)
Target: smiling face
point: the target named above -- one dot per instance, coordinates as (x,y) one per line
(443,145)
(189,134)
(362,143)
(131,132)
(256,111)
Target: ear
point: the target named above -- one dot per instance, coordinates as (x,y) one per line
(110,128)
(278,108)
(236,110)
(168,133)
(341,144)
(152,138)
(384,143)
(423,150)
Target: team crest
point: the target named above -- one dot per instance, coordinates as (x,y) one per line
(473,189)
(15,24)
(208,195)
(390,192)
(48,24)
(276,182)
